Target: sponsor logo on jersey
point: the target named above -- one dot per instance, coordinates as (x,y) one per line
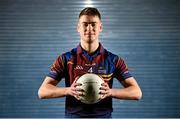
(93,64)
(79,67)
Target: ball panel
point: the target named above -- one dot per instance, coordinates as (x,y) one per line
(91,84)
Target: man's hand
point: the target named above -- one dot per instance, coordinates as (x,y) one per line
(131,90)
(74,91)
(105,91)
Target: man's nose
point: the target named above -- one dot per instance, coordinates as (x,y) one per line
(89,27)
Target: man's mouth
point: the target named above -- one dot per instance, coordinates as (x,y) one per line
(89,34)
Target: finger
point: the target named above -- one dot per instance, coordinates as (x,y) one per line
(77,97)
(74,85)
(73,89)
(103,92)
(104,84)
(75,93)
(81,94)
(103,88)
(103,96)
(79,90)
(76,79)
(77,84)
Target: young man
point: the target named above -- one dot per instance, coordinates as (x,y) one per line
(89,57)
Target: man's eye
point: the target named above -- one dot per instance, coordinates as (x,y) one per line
(93,24)
(85,24)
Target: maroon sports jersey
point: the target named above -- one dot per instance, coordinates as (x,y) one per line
(78,62)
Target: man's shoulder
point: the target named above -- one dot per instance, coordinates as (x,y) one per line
(69,54)
(111,56)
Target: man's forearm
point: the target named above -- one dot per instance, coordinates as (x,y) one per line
(50,91)
(129,93)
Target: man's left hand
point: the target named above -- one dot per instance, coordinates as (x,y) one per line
(105,91)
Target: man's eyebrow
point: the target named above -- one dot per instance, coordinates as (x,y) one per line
(89,22)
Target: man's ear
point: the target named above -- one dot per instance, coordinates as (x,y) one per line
(78,27)
(101,27)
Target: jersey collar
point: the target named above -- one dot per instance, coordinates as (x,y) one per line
(100,48)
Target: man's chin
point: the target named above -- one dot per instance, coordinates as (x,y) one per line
(89,40)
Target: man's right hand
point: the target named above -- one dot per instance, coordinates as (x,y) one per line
(74,91)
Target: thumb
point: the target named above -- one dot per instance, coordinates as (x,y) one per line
(76,78)
(73,84)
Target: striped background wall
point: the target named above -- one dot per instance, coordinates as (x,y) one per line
(146,33)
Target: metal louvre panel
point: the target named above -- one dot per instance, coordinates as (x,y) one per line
(145,33)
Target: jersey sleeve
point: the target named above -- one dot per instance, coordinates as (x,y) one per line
(57,69)
(121,71)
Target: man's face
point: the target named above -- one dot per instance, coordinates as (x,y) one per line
(89,28)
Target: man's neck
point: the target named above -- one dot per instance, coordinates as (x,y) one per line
(90,47)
